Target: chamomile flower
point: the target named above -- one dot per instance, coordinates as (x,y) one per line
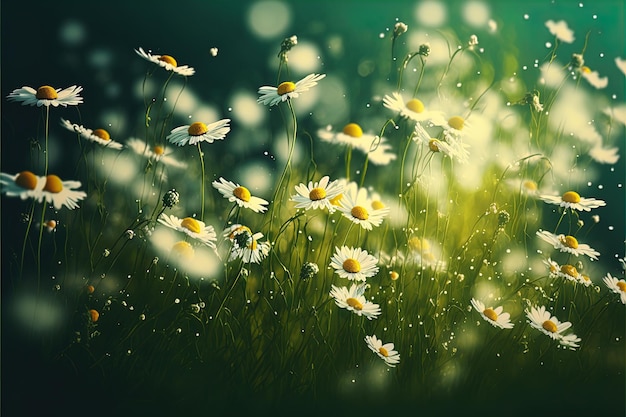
(24,185)
(542,320)
(193,228)
(49,188)
(236,193)
(317,195)
(355,206)
(99,136)
(604,155)
(593,78)
(378,150)
(560,30)
(199,132)
(553,267)
(287,90)
(570,341)
(450,147)
(246,245)
(413,109)
(493,316)
(156,153)
(47,96)
(384,351)
(167,62)
(354,264)
(568,244)
(353,300)
(573,200)
(618,286)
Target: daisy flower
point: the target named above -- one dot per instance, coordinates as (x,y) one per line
(99,136)
(413,109)
(386,352)
(568,244)
(49,188)
(493,316)
(246,245)
(573,200)
(47,96)
(560,30)
(541,320)
(618,286)
(353,300)
(604,155)
(193,228)
(183,251)
(593,78)
(317,195)
(570,341)
(377,148)
(167,62)
(553,267)
(157,153)
(199,132)
(240,195)
(354,263)
(287,90)
(450,147)
(354,206)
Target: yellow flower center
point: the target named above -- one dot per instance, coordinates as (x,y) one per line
(46,92)
(571,197)
(569,241)
(183,249)
(456,122)
(197,129)
(415,105)
(621,285)
(353,130)
(549,326)
(51,224)
(335,200)
(238,231)
(242,193)
(94,315)
(354,303)
(26,179)
(359,212)
(168,59)
(253,245)
(377,205)
(286,87)
(317,194)
(569,270)
(530,185)
(53,184)
(191,224)
(393,275)
(383,351)
(586,69)
(159,150)
(490,314)
(586,277)
(433,144)
(351,265)
(102,134)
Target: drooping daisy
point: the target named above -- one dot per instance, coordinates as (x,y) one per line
(568,244)
(553,267)
(542,320)
(157,153)
(353,300)
(246,245)
(413,109)
(593,78)
(570,341)
(356,206)
(47,96)
(573,200)
(199,132)
(49,188)
(377,148)
(287,90)
(386,352)
(450,147)
(618,286)
(99,136)
(240,195)
(560,30)
(193,228)
(493,316)
(167,62)
(317,195)
(354,264)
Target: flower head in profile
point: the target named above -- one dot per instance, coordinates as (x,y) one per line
(354,264)
(413,109)
(196,229)
(156,153)
(541,319)
(618,286)
(493,316)
(246,245)
(352,299)
(593,78)
(236,193)
(384,351)
(47,96)
(573,200)
(377,148)
(98,136)
(604,155)
(271,96)
(450,147)
(199,132)
(49,188)
(317,195)
(166,61)
(357,207)
(569,244)
(560,30)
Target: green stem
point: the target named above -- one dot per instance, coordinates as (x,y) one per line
(202,189)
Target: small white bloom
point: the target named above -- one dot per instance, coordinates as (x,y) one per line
(618,286)
(193,228)
(571,199)
(542,320)
(384,351)
(317,195)
(493,316)
(354,264)
(199,132)
(99,136)
(560,30)
(353,300)
(287,90)
(47,96)
(568,244)
(166,61)
(236,193)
